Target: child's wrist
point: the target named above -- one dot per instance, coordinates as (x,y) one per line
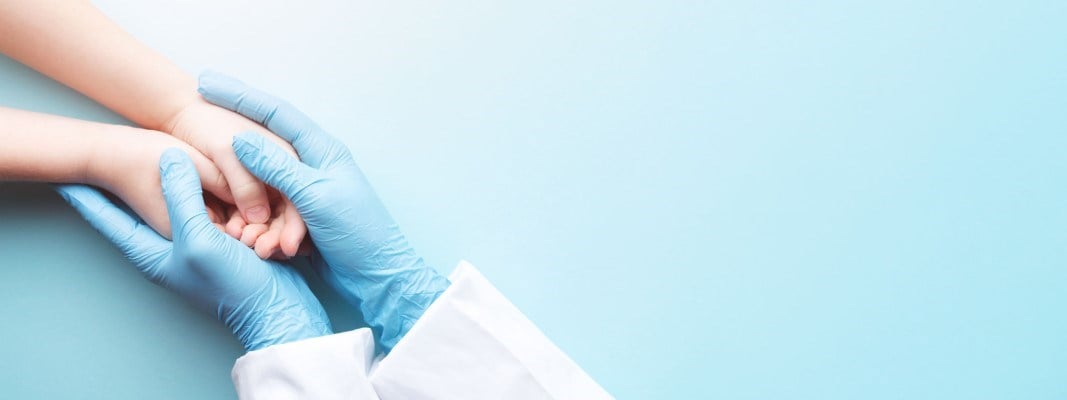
(181,112)
(176,93)
(103,159)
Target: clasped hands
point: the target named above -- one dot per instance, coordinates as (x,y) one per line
(357,248)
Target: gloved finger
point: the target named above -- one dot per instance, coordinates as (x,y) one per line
(315,147)
(249,194)
(185,199)
(137,241)
(272,165)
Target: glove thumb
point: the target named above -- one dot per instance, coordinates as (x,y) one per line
(274,166)
(184,196)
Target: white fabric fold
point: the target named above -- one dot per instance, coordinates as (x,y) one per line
(324,368)
(471,343)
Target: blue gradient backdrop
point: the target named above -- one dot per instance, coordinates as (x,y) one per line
(703,199)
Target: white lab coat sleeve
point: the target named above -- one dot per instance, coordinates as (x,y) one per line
(472,343)
(324,368)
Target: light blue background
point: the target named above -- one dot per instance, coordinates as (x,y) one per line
(704,199)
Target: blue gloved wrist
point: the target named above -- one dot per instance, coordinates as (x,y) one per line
(259,326)
(403,302)
(392,295)
(365,257)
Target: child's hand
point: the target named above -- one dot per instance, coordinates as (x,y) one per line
(258,236)
(125,161)
(267,221)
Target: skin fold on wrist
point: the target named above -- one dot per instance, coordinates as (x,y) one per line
(181,111)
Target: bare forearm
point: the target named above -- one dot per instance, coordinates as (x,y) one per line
(74,43)
(47,148)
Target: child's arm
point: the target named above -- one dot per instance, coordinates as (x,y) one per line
(74,43)
(121,159)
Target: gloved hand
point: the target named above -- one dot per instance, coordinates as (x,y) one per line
(265,221)
(263,302)
(366,257)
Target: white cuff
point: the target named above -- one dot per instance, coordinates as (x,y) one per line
(322,368)
(472,343)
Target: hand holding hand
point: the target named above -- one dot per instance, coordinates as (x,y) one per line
(125,162)
(367,259)
(266,221)
(263,302)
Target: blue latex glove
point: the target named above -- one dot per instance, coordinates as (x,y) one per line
(367,259)
(263,302)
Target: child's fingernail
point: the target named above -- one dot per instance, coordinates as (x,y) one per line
(257,215)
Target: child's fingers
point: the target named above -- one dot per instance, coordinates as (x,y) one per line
(294,231)
(252,232)
(267,244)
(211,179)
(235,225)
(249,194)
